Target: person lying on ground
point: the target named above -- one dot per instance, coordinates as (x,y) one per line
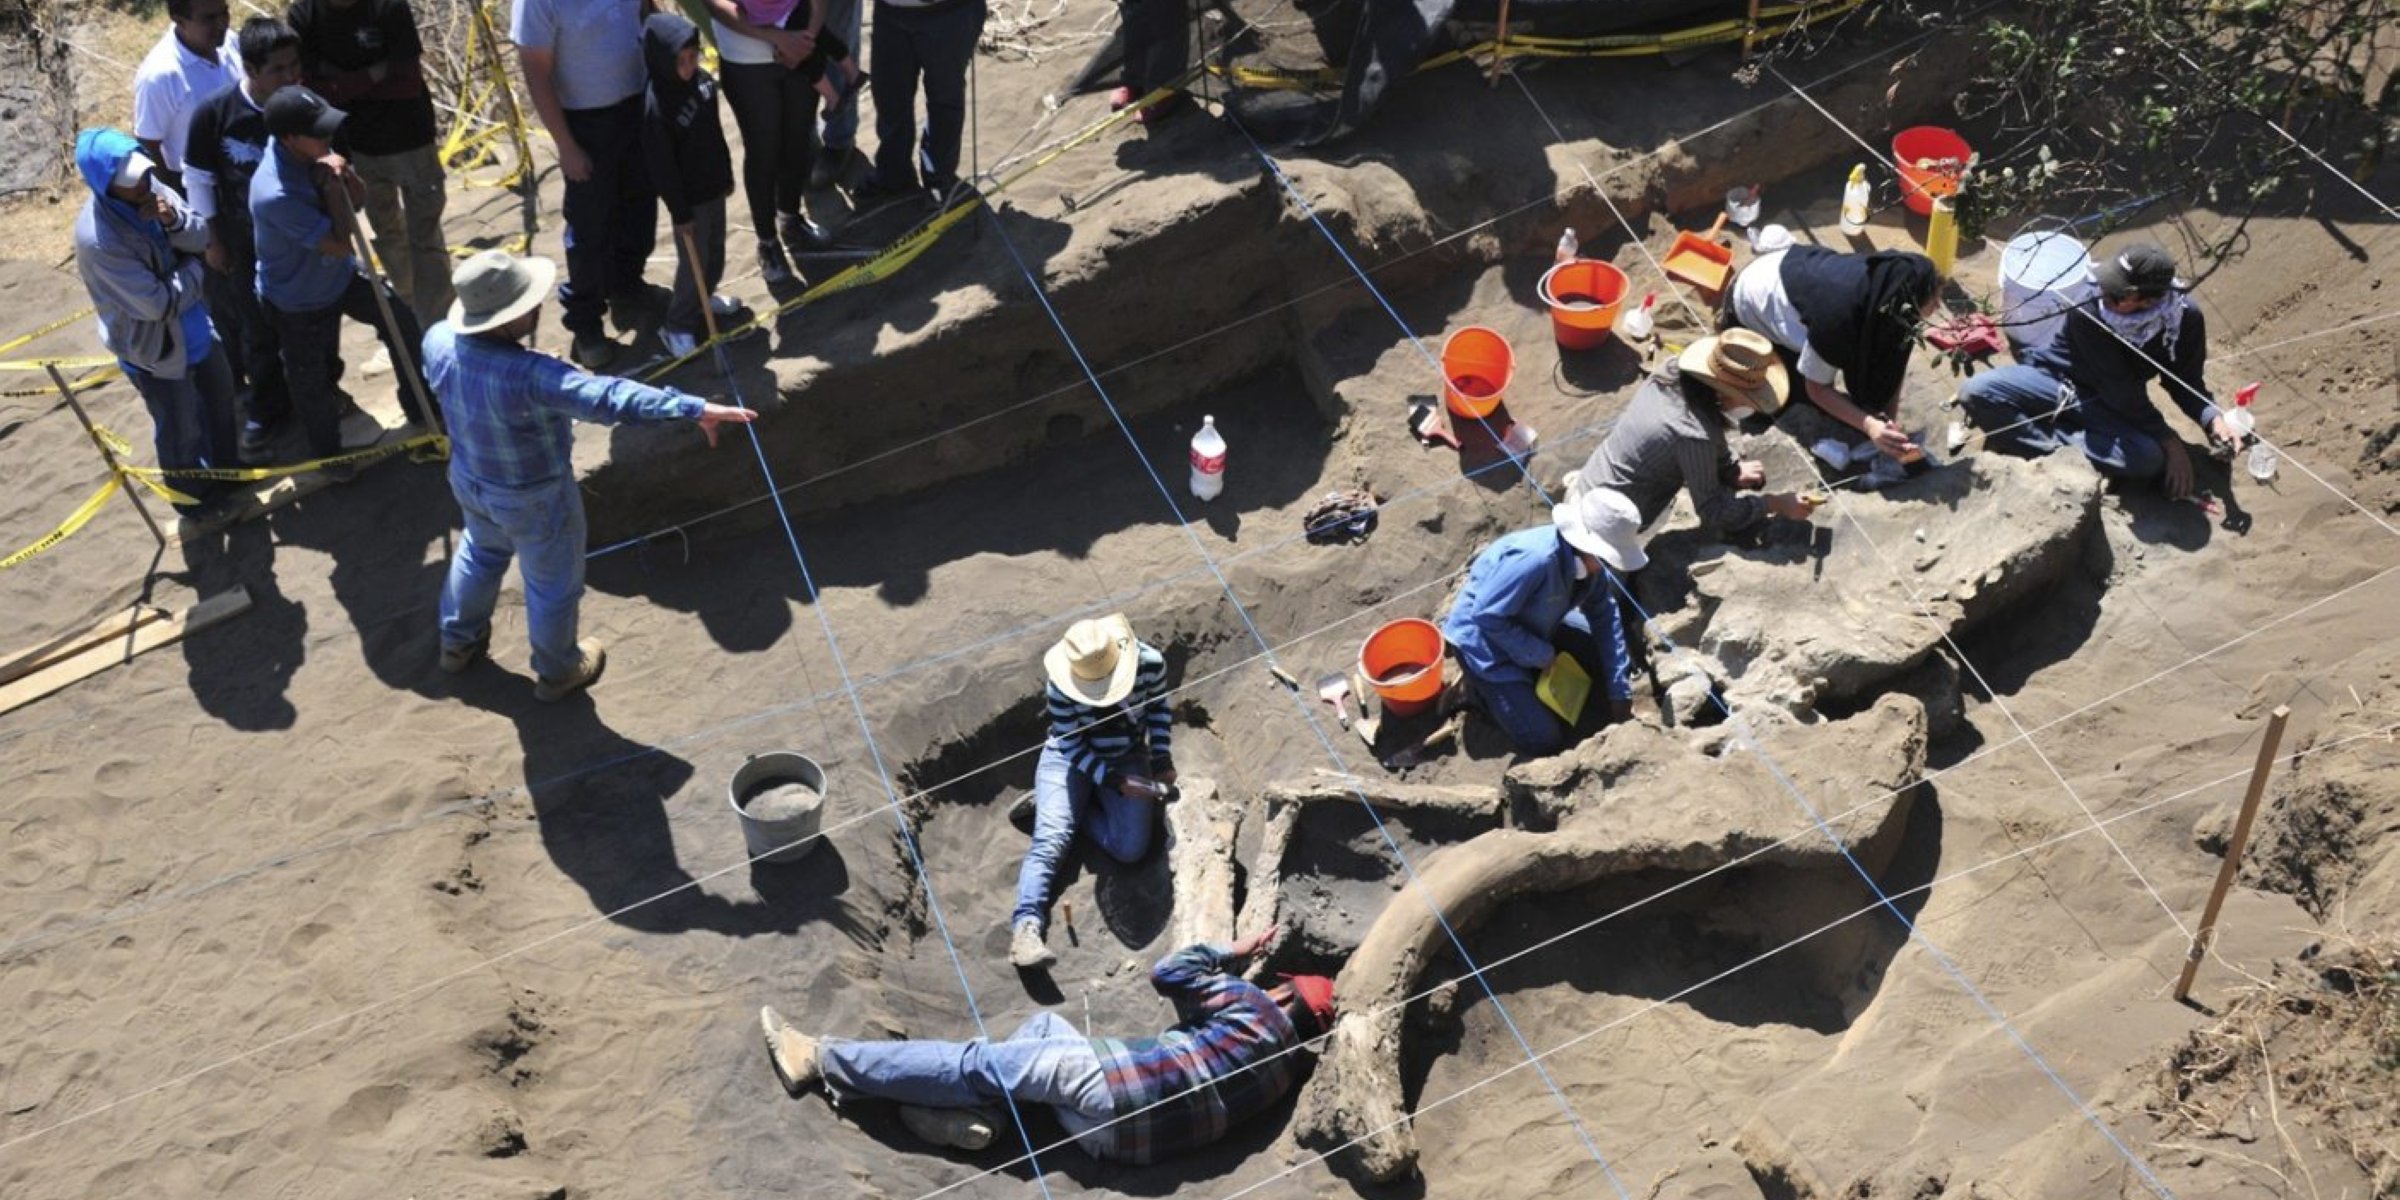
(308,278)
(1232,1054)
(685,145)
(2088,387)
(1545,594)
(1672,437)
(1107,763)
(138,249)
(512,416)
(1851,315)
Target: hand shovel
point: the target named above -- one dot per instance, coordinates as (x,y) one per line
(1334,689)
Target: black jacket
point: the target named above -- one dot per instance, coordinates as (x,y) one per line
(681,136)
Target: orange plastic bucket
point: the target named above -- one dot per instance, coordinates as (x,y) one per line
(1583,295)
(1946,154)
(1403,663)
(1476,365)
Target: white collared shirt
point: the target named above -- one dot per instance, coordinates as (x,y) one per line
(169,84)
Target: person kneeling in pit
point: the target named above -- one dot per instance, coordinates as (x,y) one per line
(1541,599)
(1231,1055)
(2088,385)
(1672,438)
(1852,314)
(1107,763)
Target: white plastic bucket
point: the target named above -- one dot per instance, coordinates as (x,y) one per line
(2042,274)
(791,838)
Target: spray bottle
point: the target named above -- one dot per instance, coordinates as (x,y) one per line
(1208,460)
(2263,459)
(1637,324)
(1856,196)
(1568,247)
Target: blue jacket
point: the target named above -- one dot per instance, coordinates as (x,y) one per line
(143,278)
(1518,592)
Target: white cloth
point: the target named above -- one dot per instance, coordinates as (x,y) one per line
(736,47)
(170,83)
(1761,306)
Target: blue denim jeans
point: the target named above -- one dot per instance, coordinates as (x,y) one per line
(2017,408)
(542,528)
(192,419)
(1064,800)
(1044,1062)
(934,45)
(1531,728)
(840,129)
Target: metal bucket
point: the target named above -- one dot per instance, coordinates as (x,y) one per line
(2042,275)
(790,838)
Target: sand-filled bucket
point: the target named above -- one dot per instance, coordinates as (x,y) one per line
(2042,275)
(1945,155)
(1476,366)
(1403,663)
(780,798)
(1583,295)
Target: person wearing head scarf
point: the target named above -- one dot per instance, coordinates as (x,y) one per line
(2089,386)
(1232,1054)
(1848,316)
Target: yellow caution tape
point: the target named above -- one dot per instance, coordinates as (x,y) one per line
(83,383)
(47,330)
(66,529)
(84,363)
(425,447)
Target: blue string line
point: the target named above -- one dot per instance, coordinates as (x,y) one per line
(1742,731)
(1307,714)
(908,838)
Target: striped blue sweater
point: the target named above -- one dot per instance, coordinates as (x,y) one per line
(1104,743)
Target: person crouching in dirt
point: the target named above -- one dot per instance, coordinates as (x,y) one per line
(1671,438)
(1107,763)
(1231,1055)
(512,413)
(2088,385)
(1855,314)
(1546,594)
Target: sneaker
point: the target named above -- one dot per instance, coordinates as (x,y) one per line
(793,1054)
(772,266)
(723,305)
(1161,111)
(257,447)
(801,235)
(1025,949)
(678,342)
(1120,99)
(381,364)
(594,351)
(594,657)
(957,1128)
(877,192)
(458,658)
(1020,814)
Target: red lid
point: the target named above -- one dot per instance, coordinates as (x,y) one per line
(2242,398)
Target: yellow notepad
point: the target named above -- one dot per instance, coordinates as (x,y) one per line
(1564,687)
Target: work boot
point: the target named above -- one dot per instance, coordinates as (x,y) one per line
(587,669)
(957,1128)
(594,351)
(793,1054)
(1026,952)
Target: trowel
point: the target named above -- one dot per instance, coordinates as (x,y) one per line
(1334,689)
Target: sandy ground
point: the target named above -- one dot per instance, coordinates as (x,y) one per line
(291,913)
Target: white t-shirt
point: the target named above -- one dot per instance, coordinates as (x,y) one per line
(170,83)
(1760,304)
(736,47)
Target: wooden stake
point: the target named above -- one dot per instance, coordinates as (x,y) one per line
(2234,846)
(1750,32)
(1499,49)
(691,253)
(132,492)
(403,355)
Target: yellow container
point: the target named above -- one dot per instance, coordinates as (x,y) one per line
(1941,236)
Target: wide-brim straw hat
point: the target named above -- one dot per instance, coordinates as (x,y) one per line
(495,287)
(1603,523)
(1095,662)
(1741,364)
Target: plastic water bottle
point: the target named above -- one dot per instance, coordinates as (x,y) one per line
(1568,247)
(2263,459)
(1208,460)
(1856,196)
(1637,325)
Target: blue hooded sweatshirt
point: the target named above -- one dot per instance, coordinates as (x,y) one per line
(143,277)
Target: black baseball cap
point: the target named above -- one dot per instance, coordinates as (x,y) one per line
(2142,268)
(298,111)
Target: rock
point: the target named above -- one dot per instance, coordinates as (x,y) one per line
(1202,827)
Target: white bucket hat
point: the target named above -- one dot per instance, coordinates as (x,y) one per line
(1095,663)
(495,287)
(1602,522)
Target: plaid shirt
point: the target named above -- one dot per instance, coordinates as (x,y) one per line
(511,412)
(1194,1072)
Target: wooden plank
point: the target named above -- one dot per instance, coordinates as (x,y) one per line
(149,636)
(115,626)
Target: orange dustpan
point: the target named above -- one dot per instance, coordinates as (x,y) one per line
(1698,260)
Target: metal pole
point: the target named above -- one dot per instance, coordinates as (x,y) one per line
(115,469)
(2234,846)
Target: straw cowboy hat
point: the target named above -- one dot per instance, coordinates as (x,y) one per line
(495,287)
(1740,364)
(1603,523)
(1095,663)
